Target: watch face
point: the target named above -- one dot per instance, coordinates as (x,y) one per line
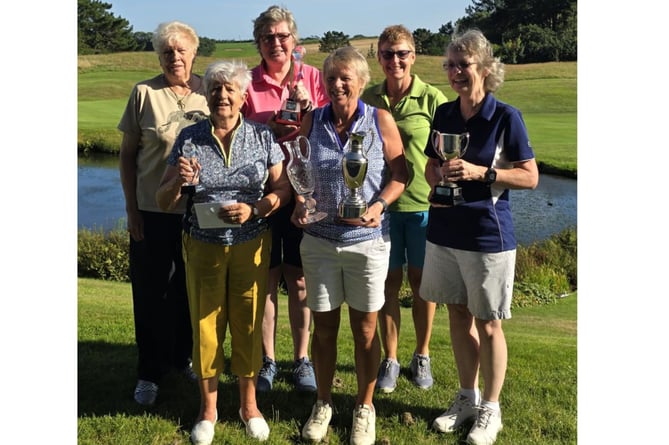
(491,176)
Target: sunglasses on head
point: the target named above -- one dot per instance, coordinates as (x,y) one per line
(401,54)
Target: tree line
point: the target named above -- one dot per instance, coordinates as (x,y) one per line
(523,31)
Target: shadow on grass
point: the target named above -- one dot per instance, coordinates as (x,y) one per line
(107,377)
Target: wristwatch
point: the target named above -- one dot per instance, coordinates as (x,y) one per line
(383,202)
(490,176)
(254,209)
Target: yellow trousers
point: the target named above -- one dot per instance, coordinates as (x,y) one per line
(227,285)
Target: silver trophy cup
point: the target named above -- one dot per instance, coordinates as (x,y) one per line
(354,169)
(448,146)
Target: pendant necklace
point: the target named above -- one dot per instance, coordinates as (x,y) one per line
(181,101)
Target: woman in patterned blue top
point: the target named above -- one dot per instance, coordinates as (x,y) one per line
(226,266)
(470,253)
(347,262)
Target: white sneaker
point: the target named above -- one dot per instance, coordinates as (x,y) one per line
(488,424)
(256,427)
(316,427)
(460,411)
(363,431)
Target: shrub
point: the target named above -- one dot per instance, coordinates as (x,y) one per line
(545,271)
(103,255)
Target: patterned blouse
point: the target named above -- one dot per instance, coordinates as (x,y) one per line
(327,151)
(241,176)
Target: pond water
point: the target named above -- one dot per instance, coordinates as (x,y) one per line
(537,214)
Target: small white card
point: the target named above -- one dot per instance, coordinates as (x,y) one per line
(207,215)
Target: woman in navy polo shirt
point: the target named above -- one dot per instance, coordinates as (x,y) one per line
(470,254)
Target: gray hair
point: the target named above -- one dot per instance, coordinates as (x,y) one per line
(273,15)
(227,71)
(170,32)
(349,57)
(473,43)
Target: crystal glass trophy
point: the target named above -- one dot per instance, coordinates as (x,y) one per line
(354,169)
(290,113)
(190,152)
(301,176)
(448,146)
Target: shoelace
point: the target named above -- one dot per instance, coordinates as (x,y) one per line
(266,369)
(458,404)
(422,367)
(303,370)
(483,418)
(320,414)
(386,367)
(361,419)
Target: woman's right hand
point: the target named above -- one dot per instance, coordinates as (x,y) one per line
(299,216)
(135,225)
(189,170)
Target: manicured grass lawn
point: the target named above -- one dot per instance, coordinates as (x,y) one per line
(538,401)
(545,93)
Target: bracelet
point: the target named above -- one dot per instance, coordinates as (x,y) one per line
(383,203)
(309,107)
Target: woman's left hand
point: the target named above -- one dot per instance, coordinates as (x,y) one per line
(301,95)
(460,170)
(237,213)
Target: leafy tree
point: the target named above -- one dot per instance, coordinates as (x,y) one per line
(143,40)
(421,37)
(526,30)
(332,40)
(207,47)
(99,31)
(540,44)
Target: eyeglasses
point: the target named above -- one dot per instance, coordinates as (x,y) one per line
(269,38)
(401,54)
(460,65)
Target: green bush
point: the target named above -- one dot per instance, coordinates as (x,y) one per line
(103,255)
(545,271)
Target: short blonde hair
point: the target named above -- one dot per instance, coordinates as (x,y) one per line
(169,32)
(273,15)
(349,57)
(396,33)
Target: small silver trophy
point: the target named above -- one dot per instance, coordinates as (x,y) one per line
(291,112)
(354,169)
(448,146)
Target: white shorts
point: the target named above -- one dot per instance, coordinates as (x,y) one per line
(353,273)
(481,281)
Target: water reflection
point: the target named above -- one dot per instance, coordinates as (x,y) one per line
(537,214)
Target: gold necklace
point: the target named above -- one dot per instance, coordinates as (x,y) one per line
(181,101)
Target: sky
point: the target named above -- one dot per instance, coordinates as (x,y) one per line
(233,20)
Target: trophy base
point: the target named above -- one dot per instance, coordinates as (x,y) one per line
(191,189)
(351,210)
(315,217)
(449,195)
(289,113)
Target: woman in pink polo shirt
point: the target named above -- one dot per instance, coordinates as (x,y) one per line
(282,90)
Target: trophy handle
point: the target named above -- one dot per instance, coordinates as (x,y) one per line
(466,144)
(435,142)
(299,148)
